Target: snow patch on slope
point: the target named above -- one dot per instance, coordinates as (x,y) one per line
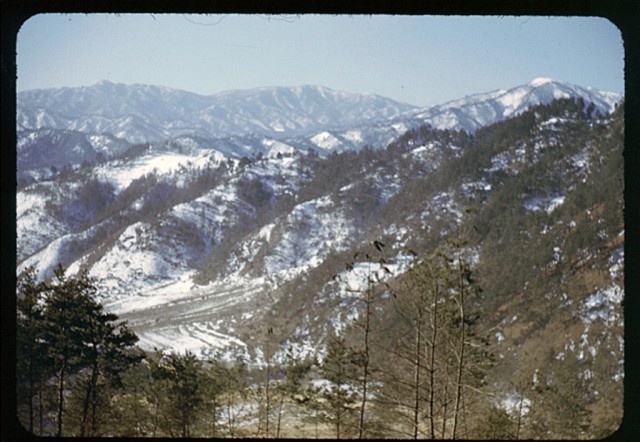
(603,304)
(546,203)
(121,174)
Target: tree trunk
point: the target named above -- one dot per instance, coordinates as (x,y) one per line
(462,345)
(365,374)
(519,422)
(31,394)
(444,410)
(416,380)
(61,396)
(279,416)
(40,406)
(213,421)
(432,362)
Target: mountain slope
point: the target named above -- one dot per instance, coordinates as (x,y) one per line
(475,111)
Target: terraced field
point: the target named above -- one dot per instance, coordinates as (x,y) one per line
(203,320)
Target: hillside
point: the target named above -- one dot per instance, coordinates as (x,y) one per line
(203,242)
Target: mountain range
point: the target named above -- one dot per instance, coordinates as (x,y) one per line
(317,117)
(141,113)
(207,219)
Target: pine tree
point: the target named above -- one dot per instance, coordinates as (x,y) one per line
(235,391)
(181,377)
(109,354)
(438,358)
(294,372)
(214,389)
(64,335)
(32,364)
(66,324)
(365,324)
(340,367)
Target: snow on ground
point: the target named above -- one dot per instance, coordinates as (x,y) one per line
(62,250)
(501,161)
(603,304)
(211,213)
(512,100)
(546,203)
(354,282)
(199,338)
(280,175)
(277,147)
(355,136)
(182,316)
(400,127)
(326,140)
(514,404)
(616,270)
(442,203)
(553,123)
(314,229)
(300,349)
(166,294)
(137,260)
(471,188)
(581,159)
(47,259)
(121,174)
(34,226)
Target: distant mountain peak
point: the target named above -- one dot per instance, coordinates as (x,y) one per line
(474,111)
(540,81)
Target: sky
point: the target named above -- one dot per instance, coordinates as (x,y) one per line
(420,60)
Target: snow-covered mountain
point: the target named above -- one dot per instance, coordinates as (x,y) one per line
(475,111)
(140,113)
(310,117)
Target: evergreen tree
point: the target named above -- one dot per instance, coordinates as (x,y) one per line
(340,367)
(32,364)
(213,390)
(235,391)
(181,377)
(294,372)
(67,317)
(440,360)
(64,335)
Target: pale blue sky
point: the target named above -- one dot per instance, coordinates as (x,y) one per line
(420,60)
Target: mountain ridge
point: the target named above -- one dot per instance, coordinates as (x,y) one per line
(472,112)
(307,116)
(269,111)
(290,109)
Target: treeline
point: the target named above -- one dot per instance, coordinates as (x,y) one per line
(80,373)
